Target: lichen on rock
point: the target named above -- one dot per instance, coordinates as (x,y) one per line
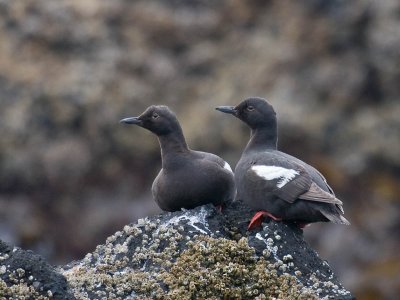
(190,254)
(210,268)
(25,275)
(220,268)
(203,254)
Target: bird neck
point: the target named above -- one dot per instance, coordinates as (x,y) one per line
(172,144)
(263,139)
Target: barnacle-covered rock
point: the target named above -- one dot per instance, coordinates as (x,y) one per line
(204,254)
(25,275)
(190,254)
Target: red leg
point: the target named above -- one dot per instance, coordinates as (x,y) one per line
(258,218)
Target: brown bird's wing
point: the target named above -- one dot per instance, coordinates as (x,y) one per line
(286,181)
(315,193)
(289,182)
(297,186)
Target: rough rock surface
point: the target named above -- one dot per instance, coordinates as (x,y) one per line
(204,254)
(190,254)
(70,69)
(25,275)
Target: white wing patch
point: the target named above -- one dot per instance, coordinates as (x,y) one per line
(228,167)
(273,172)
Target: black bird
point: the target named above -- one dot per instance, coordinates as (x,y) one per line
(274,183)
(188,178)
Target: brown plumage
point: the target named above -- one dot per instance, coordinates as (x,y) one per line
(275,183)
(188,178)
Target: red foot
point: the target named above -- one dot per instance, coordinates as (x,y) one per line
(259,217)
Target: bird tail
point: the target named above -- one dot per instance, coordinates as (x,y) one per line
(335,218)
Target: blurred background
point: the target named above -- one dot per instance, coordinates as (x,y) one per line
(70,174)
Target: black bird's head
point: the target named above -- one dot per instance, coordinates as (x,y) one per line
(255,112)
(159,119)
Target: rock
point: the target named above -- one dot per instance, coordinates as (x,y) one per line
(25,275)
(69,70)
(190,254)
(204,254)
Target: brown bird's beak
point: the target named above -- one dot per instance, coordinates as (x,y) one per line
(227,109)
(131,120)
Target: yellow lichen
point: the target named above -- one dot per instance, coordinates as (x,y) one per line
(209,268)
(19,291)
(220,268)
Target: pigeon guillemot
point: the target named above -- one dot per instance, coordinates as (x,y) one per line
(274,183)
(188,178)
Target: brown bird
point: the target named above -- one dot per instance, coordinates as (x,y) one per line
(188,178)
(277,184)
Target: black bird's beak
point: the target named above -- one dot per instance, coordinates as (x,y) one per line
(227,109)
(131,120)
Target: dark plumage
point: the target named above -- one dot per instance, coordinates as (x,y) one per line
(274,183)
(188,178)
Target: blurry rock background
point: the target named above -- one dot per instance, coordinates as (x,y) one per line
(70,174)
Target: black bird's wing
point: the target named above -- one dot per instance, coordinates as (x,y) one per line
(214,158)
(288,181)
(316,176)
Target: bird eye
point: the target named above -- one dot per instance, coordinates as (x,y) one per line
(155,116)
(250,108)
